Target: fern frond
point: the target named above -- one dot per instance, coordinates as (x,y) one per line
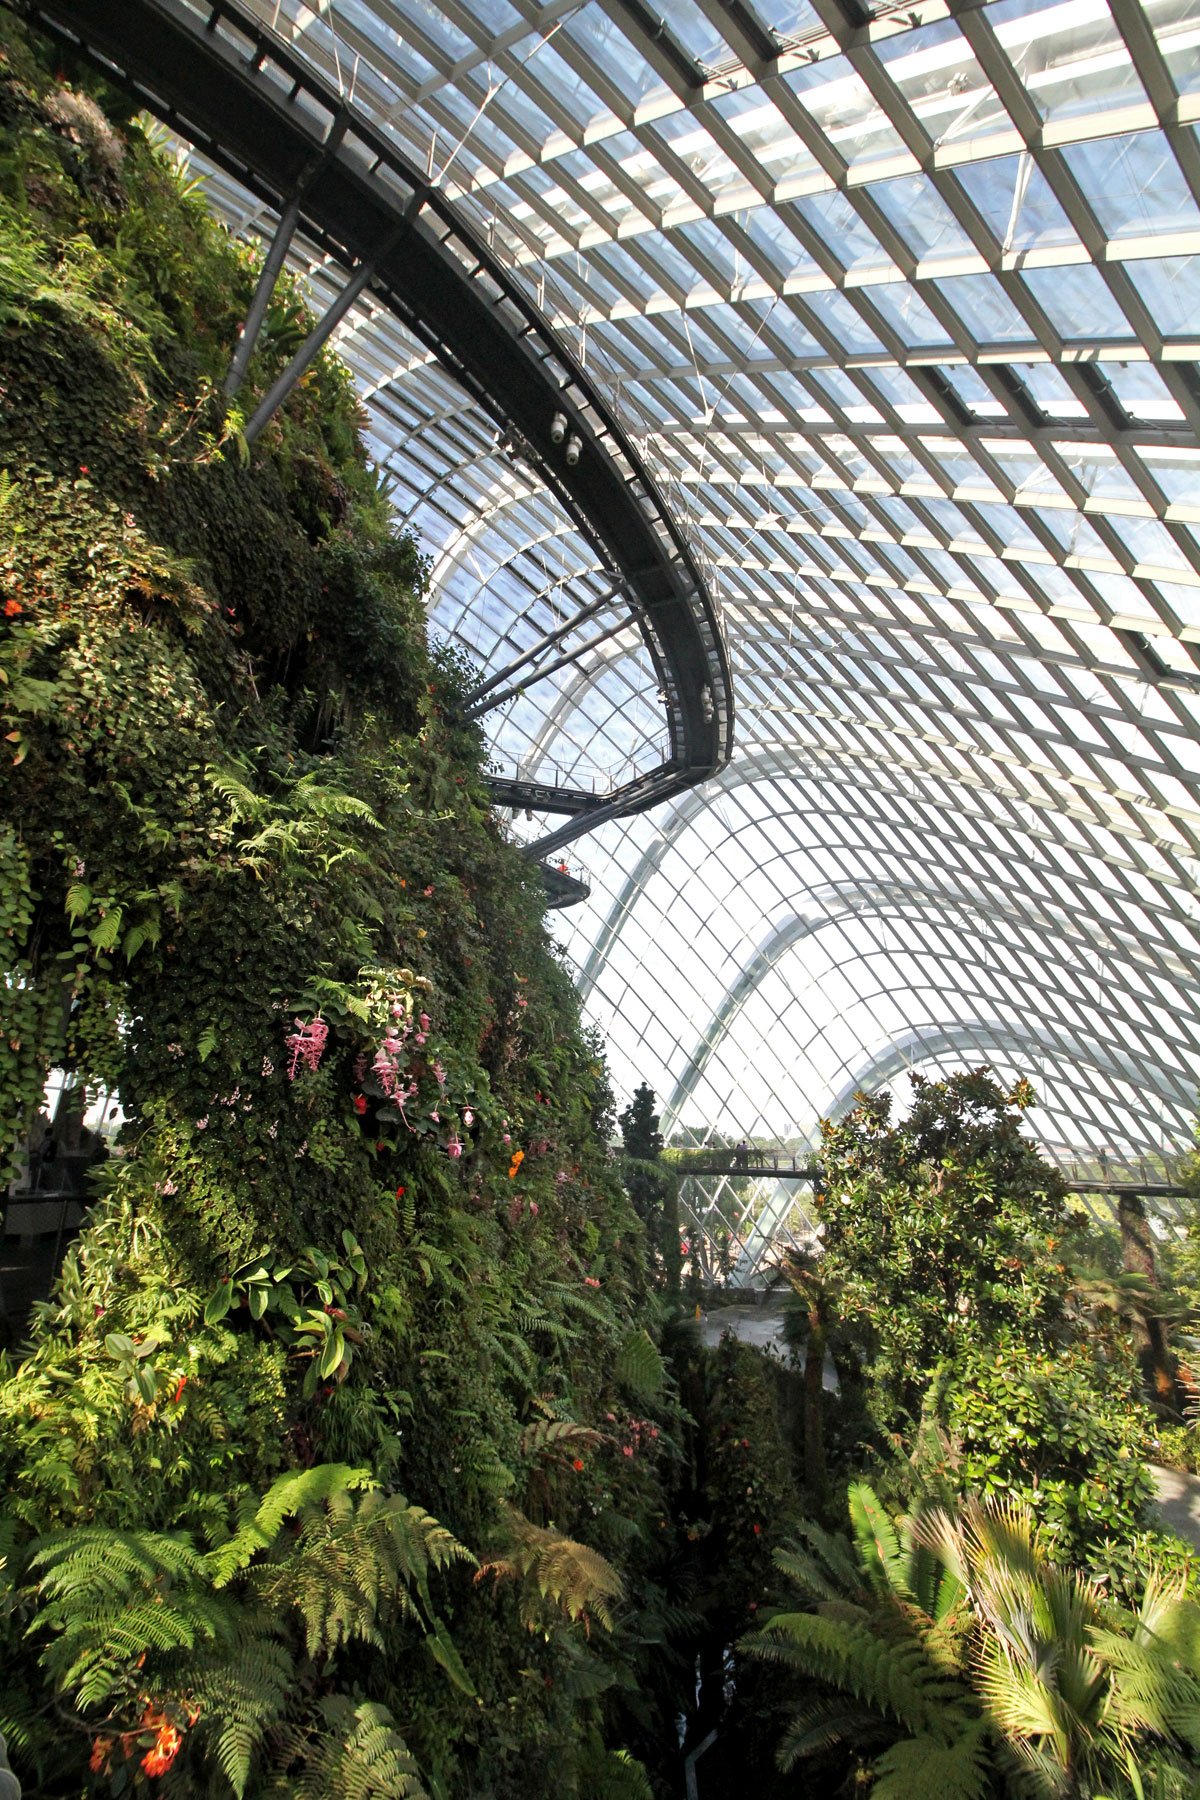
(293,1493)
(544,1435)
(559,1569)
(108,1597)
(359,1755)
(617,1776)
(883,1560)
(639,1367)
(242,1694)
(355,1562)
(820,1725)
(893,1676)
(927,1768)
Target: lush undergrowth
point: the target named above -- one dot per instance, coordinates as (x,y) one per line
(337,1461)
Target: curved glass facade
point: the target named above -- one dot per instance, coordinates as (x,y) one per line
(902,307)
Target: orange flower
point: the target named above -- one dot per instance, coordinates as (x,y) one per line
(12,608)
(101,1751)
(166,1748)
(517,1159)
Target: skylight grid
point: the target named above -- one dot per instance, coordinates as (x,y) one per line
(907,322)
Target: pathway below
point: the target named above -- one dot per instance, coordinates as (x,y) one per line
(1179,1502)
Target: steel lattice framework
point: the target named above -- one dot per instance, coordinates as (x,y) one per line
(901,306)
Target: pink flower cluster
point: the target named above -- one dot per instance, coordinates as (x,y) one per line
(307,1045)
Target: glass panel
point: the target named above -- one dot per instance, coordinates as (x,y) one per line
(1099,474)
(1134,185)
(696,149)
(695,31)
(1077,302)
(904,395)
(765,228)
(906,313)
(935,69)
(850,329)
(842,105)
(1168,287)
(1143,394)
(1048,391)
(842,230)
(780,328)
(636,162)
(1177,28)
(613,53)
(432,23)
(985,309)
(765,133)
(1016,201)
(1069,54)
(1177,472)
(786,19)
(972,390)
(916,211)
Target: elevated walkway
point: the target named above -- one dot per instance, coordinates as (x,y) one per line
(221,79)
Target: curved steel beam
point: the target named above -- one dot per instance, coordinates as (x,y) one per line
(232,88)
(787,765)
(929,1042)
(882,1065)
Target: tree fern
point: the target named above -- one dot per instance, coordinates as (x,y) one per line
(891,1674)
(570,1575)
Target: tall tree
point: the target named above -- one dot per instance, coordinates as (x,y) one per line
(651,1185)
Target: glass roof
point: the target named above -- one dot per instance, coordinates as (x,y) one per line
(902,307)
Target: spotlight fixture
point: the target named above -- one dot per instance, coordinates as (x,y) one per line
(574,446)
(558,428)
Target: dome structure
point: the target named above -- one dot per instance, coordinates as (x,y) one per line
(898,309)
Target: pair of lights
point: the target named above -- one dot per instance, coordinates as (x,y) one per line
(558,432)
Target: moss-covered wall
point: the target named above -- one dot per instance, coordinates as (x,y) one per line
(361,1240)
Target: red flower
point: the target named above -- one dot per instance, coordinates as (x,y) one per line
(175,1397)
(400,1193)
(83,468)
(360,1104)
(758,1531)
(12,608)
(577,1465)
